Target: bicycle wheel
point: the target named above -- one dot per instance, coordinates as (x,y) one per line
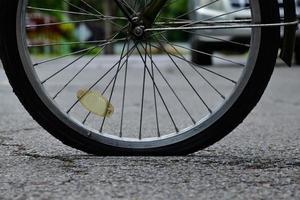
(148,97)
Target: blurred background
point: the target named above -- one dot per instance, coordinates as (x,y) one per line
(83,29)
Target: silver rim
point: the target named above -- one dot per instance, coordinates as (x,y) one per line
(174,116)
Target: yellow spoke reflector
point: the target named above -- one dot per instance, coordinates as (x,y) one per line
(94,102)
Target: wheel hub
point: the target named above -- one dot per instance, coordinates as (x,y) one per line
(138,31)
(137,28)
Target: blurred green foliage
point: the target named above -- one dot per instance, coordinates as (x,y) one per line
(53,4)
(172,11)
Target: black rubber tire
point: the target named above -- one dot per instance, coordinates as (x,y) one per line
(232,118)
(198,58)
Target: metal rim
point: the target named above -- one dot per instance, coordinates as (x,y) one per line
(124,142)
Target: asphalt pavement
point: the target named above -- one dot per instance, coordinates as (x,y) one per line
(259,160)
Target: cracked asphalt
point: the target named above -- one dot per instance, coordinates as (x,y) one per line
(259,160)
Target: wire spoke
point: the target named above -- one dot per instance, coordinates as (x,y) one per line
(71,43)
(85,66)
(215,24)
(143,94)
(92,7)
(76,13)
(212,37)
(159,93)
(225,14)
(181,72)
(171,88)
(125,10)
(193,67)
(215,27)
(101,14)
(188,26)
(124,93)
(195,9)
(204,68)
(108,85)
(86,118)
(154,94)
(63,56)
(208,54)
(100,79)
(65,22)
(114,84)
(219,39)
(81,9)
(76,52)
(68,65)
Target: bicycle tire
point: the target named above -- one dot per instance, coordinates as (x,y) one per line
(246,101)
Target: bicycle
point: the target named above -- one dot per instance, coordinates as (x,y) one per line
(131,103)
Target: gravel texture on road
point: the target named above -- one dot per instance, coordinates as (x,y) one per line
(259,160)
